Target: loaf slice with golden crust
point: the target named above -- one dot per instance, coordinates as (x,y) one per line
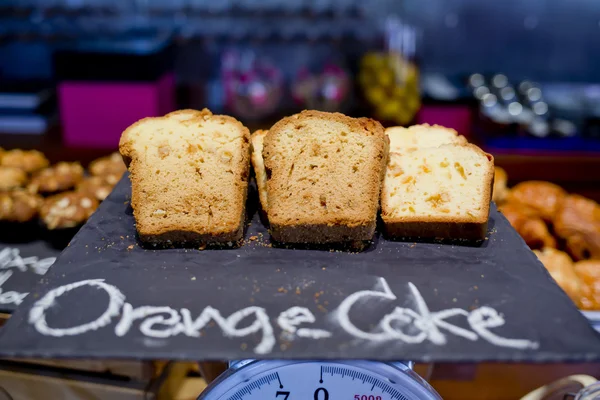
(438,193)
(324,174)
(189,177)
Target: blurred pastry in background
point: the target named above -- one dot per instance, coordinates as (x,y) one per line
(97,186)
(111,165)
(12,178)
(531,207)
(60,177)
(532,228)
(67,210)
(578,223)
(326,90)
(19,206)
(589,273)
(500,189)
(560,267)
(543,197)
(390,83)
(28,160)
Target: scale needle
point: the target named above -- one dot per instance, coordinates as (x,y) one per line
(280,385)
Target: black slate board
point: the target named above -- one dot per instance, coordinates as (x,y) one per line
(501,274)
(22,265)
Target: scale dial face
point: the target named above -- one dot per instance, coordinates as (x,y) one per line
(310,380)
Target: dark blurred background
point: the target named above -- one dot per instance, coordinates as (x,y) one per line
(520,78)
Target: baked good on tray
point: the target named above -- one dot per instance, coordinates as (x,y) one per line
(561,268)
(19,206)
(440,192)
(12,178)
(528,224)
(28,160)
(577,222)
(60,177)
(324,173)
(589,273)
(189,177)
(67,210)
(97,186)
(110,167)
(544,197)
(500,185)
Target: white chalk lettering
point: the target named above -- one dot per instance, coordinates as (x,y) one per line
(412,325)
(229,325)
(148,326)
(289,320)
(4,277)
(11,258)
(343,311)
(185,324)
(10,297)
(486,317)
(426,322)
(129,315)
(37,315)
(11,261)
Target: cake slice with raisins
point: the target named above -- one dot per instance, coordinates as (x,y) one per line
(440,192)
(189,177)
(323,174)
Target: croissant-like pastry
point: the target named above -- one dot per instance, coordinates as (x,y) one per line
(500,189)
(578,223)
(560,266)
(531,228)
(589,273)
(543,197)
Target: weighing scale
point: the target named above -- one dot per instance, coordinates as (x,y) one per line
(306,318)
(319,380)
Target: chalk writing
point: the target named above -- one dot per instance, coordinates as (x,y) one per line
(11,261)
(403,324)
(9,297)
(11,258)
(428,324)
(291,318)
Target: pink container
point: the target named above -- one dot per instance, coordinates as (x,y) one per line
(456,117)
(94,114)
